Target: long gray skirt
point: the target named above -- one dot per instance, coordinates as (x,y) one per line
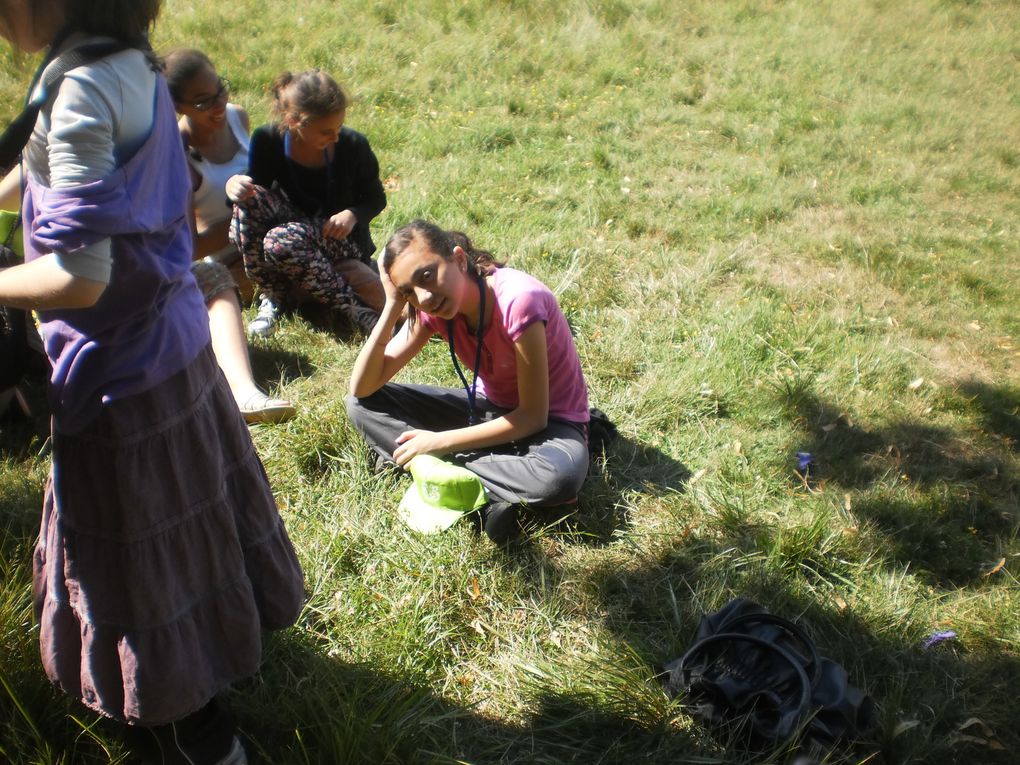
(162,556)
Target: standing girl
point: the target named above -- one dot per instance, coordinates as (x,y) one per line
(303,209)
(215,136)
(521,425)
(161,556)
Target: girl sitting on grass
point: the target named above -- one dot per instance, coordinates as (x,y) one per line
(215,135)
(304,207)
(522,425)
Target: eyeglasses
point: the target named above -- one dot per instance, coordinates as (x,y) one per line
(222,93)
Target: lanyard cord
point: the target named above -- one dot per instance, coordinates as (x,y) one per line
(479,331)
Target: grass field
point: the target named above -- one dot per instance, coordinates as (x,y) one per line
(775,227)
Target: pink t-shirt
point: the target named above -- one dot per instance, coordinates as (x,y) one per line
(521,300)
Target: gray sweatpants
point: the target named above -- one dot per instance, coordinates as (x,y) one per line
(547,468)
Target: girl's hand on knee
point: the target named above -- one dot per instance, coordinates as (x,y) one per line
(340,225)
(240,188)
(415,442)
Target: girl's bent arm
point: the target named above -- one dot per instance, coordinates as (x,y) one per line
(530,416)
(43,285)
(382,356)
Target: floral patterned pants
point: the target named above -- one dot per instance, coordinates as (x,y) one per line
(284,249)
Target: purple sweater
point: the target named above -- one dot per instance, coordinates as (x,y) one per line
(150,322)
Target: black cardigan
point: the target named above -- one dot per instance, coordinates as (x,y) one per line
(354,183)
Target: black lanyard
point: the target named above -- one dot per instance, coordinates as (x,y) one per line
(479,331)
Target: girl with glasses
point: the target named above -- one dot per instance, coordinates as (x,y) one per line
(215,135)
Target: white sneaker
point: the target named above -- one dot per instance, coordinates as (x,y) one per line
(236,755)
(264,323)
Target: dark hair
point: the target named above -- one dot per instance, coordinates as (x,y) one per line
(127,20)
(480,263)
(180,66)
(306,96)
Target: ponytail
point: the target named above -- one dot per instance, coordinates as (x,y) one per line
(300,98)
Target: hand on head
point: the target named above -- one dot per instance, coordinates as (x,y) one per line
(393,295)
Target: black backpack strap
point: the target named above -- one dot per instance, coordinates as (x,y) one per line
(811,660)
(697,672)
(18,133)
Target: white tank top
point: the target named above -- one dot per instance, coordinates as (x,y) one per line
(210,198)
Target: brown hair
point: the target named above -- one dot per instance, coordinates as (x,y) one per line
(306,96)
(480,263)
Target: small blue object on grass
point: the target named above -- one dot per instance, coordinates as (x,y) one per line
(937,637)
(804,462)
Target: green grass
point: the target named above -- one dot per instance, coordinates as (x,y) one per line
(775,227)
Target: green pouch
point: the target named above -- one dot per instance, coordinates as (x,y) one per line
(10,232)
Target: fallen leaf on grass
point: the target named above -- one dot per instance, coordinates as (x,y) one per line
(971,722)
(916,383)
(987,737)
(478,626)
(975,326)
(997,567)
(903,726)
(476,591)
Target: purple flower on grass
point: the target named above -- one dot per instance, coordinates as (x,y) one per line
(937,637)
(804,461)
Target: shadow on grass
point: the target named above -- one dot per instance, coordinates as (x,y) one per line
(306,707)
(271,364)
(22,435)
(999,407)
(330,321)
(626,468)
(942,705)
(945,504)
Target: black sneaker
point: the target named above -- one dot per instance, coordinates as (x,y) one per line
(362,317)
(500,521)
